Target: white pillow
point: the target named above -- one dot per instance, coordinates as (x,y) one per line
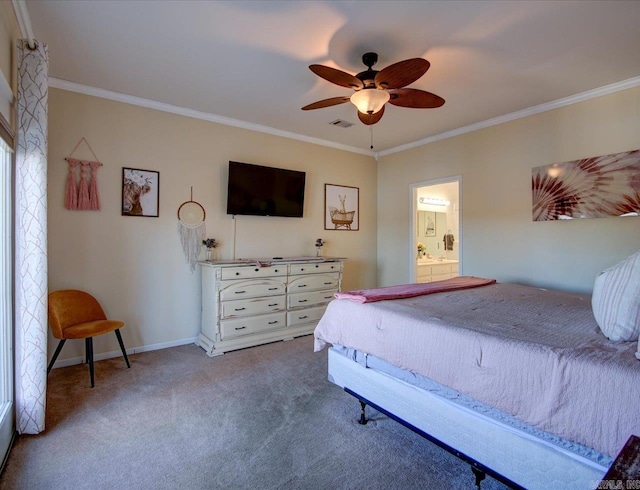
(616,300)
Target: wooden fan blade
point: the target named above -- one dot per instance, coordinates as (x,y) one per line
(338,77)
(369,119)
(402,73)
(412,97)
(326,103)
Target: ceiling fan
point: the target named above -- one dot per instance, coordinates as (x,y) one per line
(373,89)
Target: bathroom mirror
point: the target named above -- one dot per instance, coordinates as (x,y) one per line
(431,228)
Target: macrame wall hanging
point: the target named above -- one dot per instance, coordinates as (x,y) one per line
(85,195)
(191,229)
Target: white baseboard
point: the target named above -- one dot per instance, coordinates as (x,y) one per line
(118,353)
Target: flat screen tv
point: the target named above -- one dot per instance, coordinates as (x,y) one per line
(265,191)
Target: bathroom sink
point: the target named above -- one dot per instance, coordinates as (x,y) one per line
(433,260)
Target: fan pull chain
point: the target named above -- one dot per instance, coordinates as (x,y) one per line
(371,131)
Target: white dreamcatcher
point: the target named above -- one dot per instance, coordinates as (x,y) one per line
(191,229)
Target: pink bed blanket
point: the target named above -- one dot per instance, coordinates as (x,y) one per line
(412,290)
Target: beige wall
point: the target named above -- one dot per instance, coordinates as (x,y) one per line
(500,240)
(9,33)
(134,265)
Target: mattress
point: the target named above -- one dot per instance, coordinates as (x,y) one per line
(534,354)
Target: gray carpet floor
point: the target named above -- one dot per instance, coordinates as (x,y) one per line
(264,417)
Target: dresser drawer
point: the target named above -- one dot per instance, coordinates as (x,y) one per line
(250,307)
(321,267)
(314,282)
(231,290)
(248,272)
(300,317)
(246,326)
(302,300)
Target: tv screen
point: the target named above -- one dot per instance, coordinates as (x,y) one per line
(265,191)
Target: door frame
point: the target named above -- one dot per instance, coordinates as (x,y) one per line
(413,210)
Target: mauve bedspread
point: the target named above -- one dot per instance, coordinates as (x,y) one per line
(533,353)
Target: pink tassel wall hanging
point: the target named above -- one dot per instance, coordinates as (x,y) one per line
(71,194)
(85,196)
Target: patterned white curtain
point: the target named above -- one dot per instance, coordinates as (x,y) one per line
(31,238)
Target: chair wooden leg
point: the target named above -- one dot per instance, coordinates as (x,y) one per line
(124,352)
(56,354)
(89,349)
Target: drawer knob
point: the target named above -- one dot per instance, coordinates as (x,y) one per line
(302,317)
(273,289)
(302,301)
(317,266)
(302,269)
(240,292)
(237,273)
(328,283)
(273,322)
(302,286)
(240,309)
(240,328)
(256,270)
(273,304)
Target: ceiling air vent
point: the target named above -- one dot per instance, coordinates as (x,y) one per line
(341,123)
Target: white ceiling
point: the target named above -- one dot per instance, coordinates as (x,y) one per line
(247,62)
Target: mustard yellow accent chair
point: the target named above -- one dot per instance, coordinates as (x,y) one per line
(76,314)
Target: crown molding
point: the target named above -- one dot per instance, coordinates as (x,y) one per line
(182,111)
(530,111)
(24,20)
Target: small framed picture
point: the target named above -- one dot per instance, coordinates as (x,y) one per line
(140,192)
(341,208)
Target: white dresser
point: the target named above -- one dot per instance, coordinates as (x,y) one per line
(247,303)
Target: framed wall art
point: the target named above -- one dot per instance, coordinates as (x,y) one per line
(597,187)
(140,192)
(341,208)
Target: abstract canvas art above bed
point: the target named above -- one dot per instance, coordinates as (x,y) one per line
(597,187)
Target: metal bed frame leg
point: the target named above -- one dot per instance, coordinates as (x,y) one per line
(479,474)
(479,470)
(363,418)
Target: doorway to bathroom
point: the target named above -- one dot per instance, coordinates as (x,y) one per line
(436,230)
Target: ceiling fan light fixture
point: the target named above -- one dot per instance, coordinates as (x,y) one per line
(370,100)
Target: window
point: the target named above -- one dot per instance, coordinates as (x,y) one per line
(6,303)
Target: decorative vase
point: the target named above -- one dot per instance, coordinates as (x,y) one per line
(211,254)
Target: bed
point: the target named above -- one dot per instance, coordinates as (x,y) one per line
(517,380)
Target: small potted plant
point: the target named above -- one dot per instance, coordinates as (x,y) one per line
(211,244)
(319,243)
(421,250)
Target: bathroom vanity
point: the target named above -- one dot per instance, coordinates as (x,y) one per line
(429,270)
